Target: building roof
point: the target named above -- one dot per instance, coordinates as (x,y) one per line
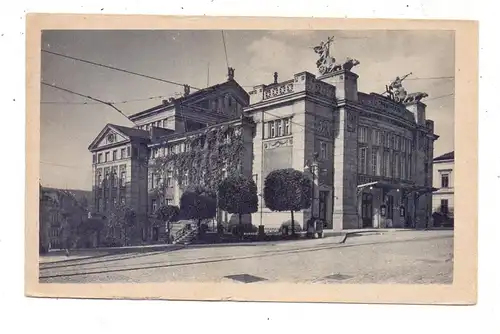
(446,156)
(198,95)
(131,132)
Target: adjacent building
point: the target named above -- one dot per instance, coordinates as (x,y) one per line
(442,199)
(370,155)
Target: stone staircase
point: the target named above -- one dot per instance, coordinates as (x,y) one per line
(184,232)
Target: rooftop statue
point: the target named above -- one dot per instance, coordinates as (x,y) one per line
(395,90)
(397,93)
(326,63)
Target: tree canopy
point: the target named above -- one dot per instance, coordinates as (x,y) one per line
(287,190)
(238,194)
(168,213)
(198,203)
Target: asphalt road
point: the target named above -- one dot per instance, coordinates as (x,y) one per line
(410,257)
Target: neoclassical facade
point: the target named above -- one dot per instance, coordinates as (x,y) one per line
(370,155)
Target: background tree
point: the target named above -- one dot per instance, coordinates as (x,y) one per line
(287,190)
(238,194)
(168,214)
(198,203)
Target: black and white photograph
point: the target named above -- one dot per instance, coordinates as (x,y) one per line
(248,157)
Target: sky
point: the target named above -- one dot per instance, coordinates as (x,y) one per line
(69,122)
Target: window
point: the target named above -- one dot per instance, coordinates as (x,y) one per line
(279,126)
(94,158)
(444,206)
(152,182)
(322,149)
(115,178)
(375,164)
(123,175)
(123,153)
(403,167)
(99,158)
(272,132)
(387,164)
(410,167)
(396,166)
(397,145)
(362,134)
(445,180)
(362,161)
(169,178)
(115,153)
(376,138)
(153,205)
(165,122)
(287,127)
(106,157)
(128,151)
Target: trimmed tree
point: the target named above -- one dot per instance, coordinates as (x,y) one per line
(168,214)
(198,203)
(238,194)
(287,190)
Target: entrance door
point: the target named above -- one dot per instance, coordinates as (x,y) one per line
(367,210)
(156,233)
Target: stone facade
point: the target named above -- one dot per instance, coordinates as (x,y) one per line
(359,139)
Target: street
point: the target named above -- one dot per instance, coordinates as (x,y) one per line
(409,257)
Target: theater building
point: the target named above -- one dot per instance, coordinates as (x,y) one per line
(370,155)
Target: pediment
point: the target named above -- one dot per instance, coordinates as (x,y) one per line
(109,136)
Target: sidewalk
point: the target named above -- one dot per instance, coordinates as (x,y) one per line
(342,236)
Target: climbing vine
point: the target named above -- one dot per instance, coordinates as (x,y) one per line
(202,158)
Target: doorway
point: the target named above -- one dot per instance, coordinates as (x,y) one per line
(156,233)
(367,210)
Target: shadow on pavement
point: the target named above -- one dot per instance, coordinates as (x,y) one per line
(269,254)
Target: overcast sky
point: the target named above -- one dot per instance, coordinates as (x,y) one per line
(68,126)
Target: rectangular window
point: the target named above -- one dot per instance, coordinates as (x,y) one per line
(403,167)
(272,130)
(165,122)
(106,157)
(115,178)
(387,164)
(362,134)
(94,158)
(99,179)
(322,150)
(169,178)
(444,206)
(152,181)
(396,166)
(279,126)
(287,127)
(128,151)
(123,153)
(375,163)
(376,138)
(99,158)
(115,153)
(123,176)
(362,161)
(445,180)
(410,167)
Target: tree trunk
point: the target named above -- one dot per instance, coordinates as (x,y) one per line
(241,227)
(199,228)
(293,224)
(168,232)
